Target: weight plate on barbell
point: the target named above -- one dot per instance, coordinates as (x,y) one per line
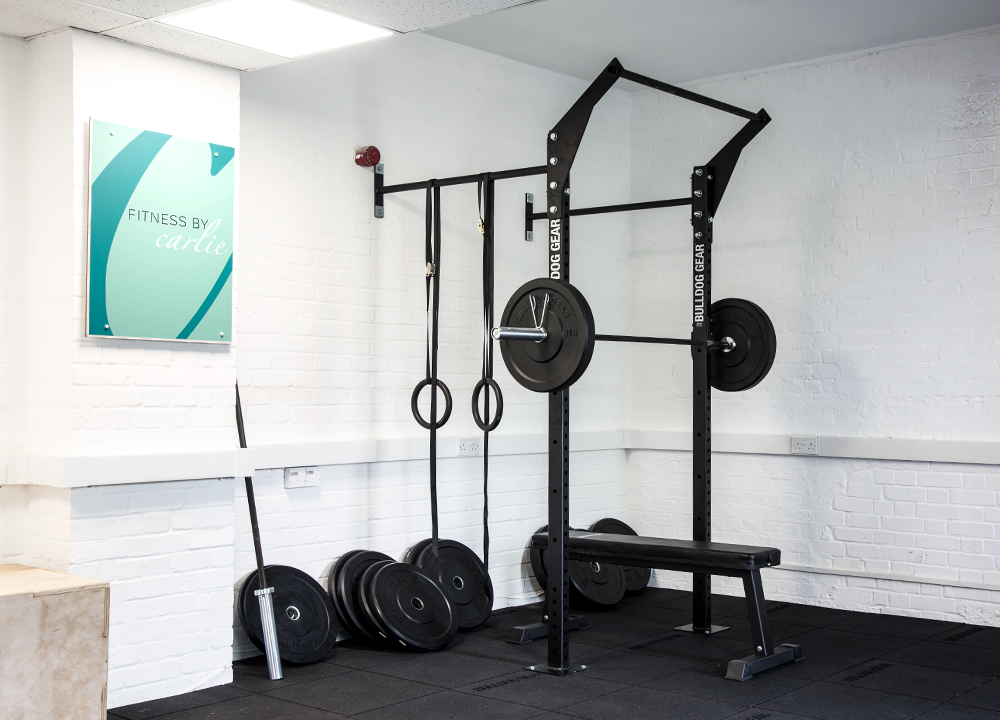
(463,578)
(751,329)
(411,606)
(558,361)
(636,578)
(304,616)
(348,588)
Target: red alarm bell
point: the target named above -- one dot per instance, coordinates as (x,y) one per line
(368,156)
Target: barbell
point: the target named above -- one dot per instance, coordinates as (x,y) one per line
(547,338)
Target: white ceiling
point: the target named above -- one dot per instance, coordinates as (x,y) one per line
(684,40)
(135,21)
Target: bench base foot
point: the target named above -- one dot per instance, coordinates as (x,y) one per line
(746,668)
(690,628)
(556,671)
(524,634)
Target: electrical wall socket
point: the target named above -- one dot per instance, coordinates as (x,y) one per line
(470,447)
(301,477)
(805,445)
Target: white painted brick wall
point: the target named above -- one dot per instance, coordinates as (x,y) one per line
(133,396)
(13,236)
(331,312)
(167,550)
(863,220)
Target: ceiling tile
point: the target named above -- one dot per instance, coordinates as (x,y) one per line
(192,45)
(145,8)
(410,15)
(25,18)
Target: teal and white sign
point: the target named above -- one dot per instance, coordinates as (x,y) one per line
(161,236)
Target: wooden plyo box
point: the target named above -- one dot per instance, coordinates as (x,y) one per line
(53,645)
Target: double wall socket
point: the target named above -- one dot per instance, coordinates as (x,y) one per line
(470,447)
(805,445)
(301,477)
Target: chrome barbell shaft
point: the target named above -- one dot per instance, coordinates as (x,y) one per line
(513,333)
(726,344)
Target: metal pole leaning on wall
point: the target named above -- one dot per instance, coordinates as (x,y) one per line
(264,593)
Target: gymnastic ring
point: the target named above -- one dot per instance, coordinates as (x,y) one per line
(416,411)
(475,404)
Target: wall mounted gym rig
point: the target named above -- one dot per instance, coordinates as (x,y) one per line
(547,338)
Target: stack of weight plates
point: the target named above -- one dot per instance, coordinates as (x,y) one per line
(460,573)
(596,584)
(385,602)
(304,617)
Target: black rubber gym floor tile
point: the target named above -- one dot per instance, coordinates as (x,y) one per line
(361,656)
(817,665)
(708,681)
(967,659)
(531,653)
(986,696)
(952,711)
(255,707)
(830,701)
(353,692)
(739,629)
(187,701)
(631,668)
(848,643)
(251,675)
(541,690)
(758,714)
(604,632)
(894,626)
(970,636)
(650,616)
(450,705)
(912,680)
(722,605)
(795,614)
(446,669)
(688,646)
(642,703)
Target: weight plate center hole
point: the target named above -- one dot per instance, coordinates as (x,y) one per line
(728,344)
(595,566)
(292,612)
(417,603)
(458,582)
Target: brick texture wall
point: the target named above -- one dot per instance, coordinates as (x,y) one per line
(864,221)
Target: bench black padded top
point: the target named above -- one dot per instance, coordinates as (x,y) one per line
(665,554)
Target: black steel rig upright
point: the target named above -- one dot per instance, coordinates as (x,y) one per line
(708,184)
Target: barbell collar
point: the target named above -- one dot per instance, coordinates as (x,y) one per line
(515,333)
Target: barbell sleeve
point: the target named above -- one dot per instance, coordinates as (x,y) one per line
(513,333)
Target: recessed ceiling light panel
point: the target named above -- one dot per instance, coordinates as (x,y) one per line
(284,27)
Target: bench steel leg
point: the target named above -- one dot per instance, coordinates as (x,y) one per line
(760,627)
(766,656)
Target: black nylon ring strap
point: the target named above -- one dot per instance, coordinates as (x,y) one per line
(486,226)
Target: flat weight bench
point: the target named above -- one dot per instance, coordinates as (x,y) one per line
(710,558)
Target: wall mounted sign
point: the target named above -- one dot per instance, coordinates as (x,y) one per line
(161,236)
